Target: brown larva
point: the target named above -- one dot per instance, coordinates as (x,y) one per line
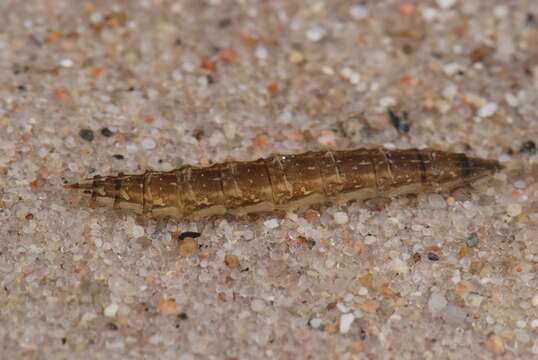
(283,182)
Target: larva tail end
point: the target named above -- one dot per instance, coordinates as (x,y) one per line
(74,186)
(82,185)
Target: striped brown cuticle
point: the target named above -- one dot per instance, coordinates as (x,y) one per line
(284,182)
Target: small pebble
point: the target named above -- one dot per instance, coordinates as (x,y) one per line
(149,143)
(495,344)
(535,300)
(450,91)
(345,322)
(340,218)
(228,55)
(399,122)
(87,317)
(513,209)
(436,201)
(399,266)
(67,63)
(186,356)
(446,4)
(168,307)
(370,306)
(472,240)
(261,53)
(86,134)
(520,184)
(257,305)
(522,336)
(358,12)
(370,239)
(314,323)
(331,328)
(433,256)
(488,110)
(327,70)
(316,33)
(96,17)
(232,261)
(387,101)
(534,348)
(152,94)
(155,339)
(455,313)
(528,147)
(188,247)
(106,132)
(359,314)
(342,308)
(111,310)
(521,324)
(189,234)
(327,138)
(501,11)
(296,57)
(511,99)
(474,300)
(229,129)
(452,69)
(271,223)
(311,215)
(429,14)
(350,75)
(131,148)
(136,231)
(437,303)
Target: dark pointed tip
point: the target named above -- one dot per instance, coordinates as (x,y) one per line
(73,186)
(81,185)
(498,166)
(491,165)
(475,168)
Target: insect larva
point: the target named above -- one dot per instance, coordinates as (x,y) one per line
(287,181)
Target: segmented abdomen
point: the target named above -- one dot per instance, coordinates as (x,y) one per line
(287,181)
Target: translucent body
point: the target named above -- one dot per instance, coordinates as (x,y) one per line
(283,182)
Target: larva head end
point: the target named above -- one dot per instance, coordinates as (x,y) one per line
(476,168)
(492,165)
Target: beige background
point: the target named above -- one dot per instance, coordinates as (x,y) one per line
(196,82)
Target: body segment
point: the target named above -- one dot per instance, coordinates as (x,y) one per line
(287,181)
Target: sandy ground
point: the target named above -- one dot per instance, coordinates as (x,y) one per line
(121,86)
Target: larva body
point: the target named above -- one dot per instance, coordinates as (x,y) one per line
(287,181)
